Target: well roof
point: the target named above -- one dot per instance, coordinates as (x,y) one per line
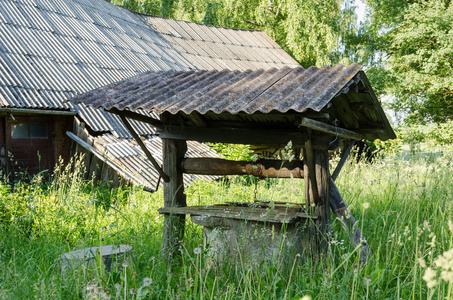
(341,92)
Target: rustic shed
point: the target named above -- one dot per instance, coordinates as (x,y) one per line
(313,108)
(51,51)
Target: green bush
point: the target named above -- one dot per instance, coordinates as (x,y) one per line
(232,151)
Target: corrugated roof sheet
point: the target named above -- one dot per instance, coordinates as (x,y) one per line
(281,90)
(130,158)
(221,48)
(51,51)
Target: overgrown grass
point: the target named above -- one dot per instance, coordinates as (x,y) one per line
(403,206)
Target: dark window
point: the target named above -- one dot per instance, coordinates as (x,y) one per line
(28,130)
(19,131)
(38,130)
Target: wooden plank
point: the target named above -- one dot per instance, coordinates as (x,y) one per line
(296,207)
(329,129)
(173,153)
(144,149)
(82,133)
(284,204)
(261,168)
(238,213)
(278,138)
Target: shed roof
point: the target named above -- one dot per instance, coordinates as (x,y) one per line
(51,51)
(342,92)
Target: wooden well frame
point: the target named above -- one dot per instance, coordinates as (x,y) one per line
(312,136)
(313,108)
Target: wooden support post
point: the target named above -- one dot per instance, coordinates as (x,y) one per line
(341,211)
(173,153)
(143,147)
(316,175)
(342,160)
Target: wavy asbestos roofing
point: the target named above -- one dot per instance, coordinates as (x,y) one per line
(51,51)
(280,90)
(129,157)
(210,47)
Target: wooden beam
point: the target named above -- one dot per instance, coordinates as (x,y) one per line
(341,211)
(104,158)
(197,119)
(370,131)
(342,160)
(329,129)
(261,168)
(173,152)
(270,137)
(323,207)
(316,173)
(136,116)
(143,147)
(310,176)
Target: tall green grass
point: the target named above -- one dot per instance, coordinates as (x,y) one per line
(403,206)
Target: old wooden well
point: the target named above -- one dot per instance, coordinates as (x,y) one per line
(252,231)
(313,108)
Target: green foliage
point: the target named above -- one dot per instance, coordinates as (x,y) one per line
(442,133)
(422,60)
(232,151)
(409,46)
(402,207)
(383,148)
(432,134)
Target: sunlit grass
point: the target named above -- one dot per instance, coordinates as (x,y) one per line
(403,207)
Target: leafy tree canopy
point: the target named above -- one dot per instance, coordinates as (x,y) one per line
(409,45)
(313,32)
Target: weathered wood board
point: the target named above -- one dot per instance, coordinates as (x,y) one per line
(252,213)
